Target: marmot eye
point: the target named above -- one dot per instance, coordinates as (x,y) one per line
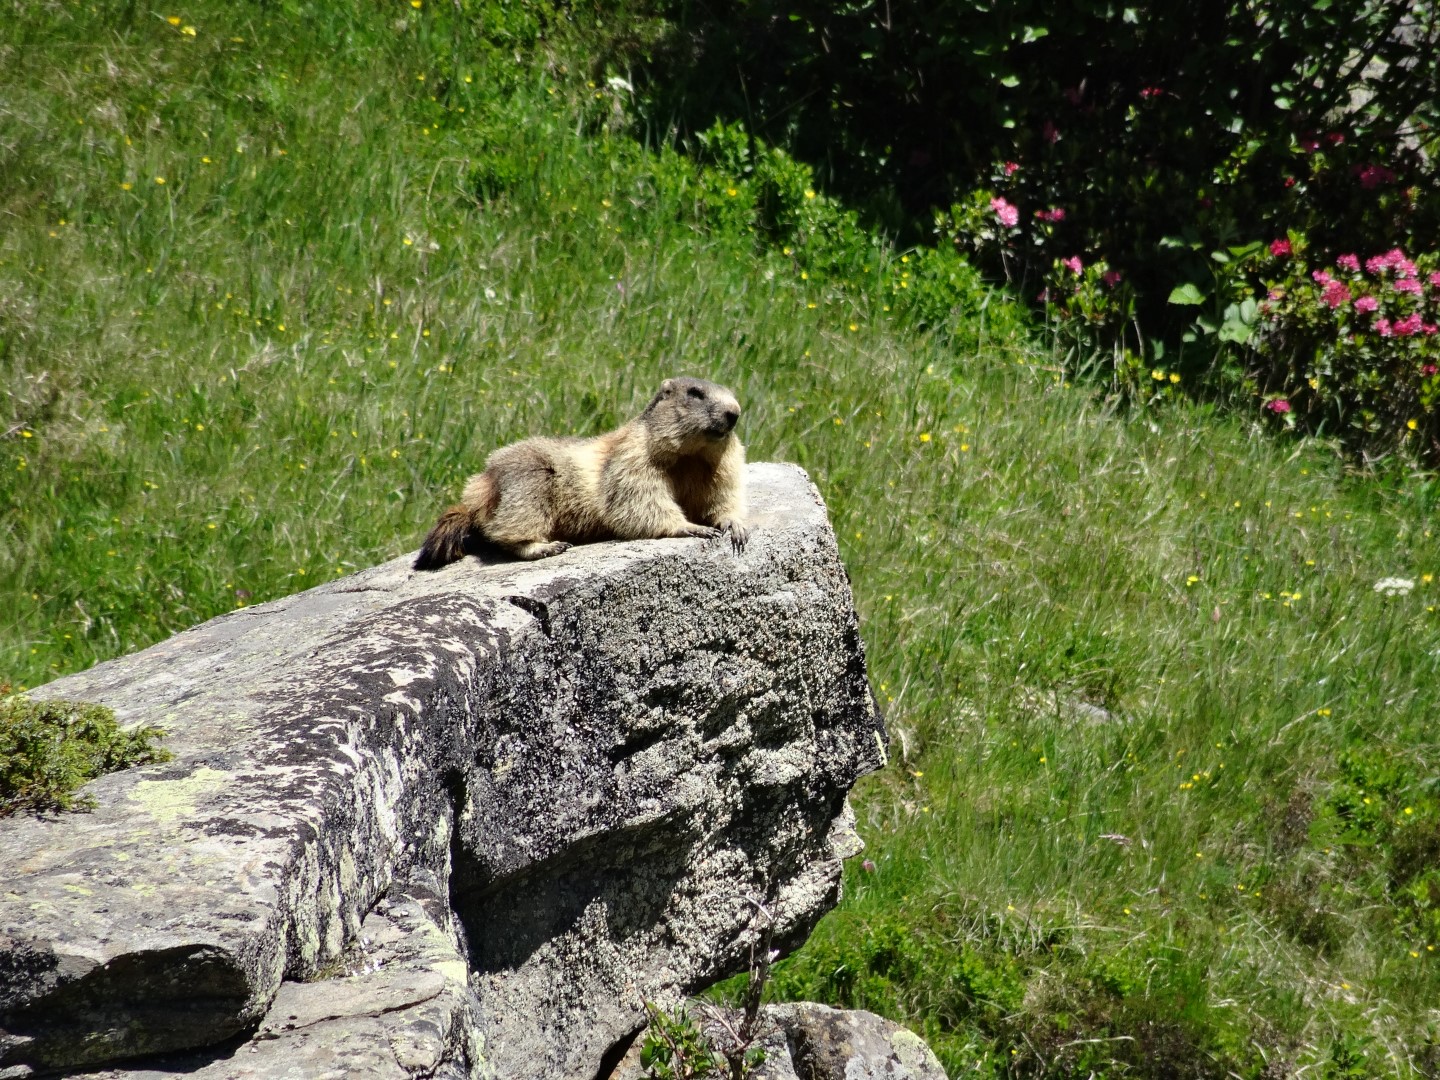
(695,392)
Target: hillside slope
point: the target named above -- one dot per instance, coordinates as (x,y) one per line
(274,278)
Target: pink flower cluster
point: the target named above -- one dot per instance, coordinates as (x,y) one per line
(1073,264)
(1336,293)
(1008,215)
(1053,214)
(1278,405)
(1407,327)
(1394,259)
(1372,176)
(1111,278)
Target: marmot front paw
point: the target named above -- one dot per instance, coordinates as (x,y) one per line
(704,532)
(739,533)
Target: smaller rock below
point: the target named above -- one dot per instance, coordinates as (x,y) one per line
(397,1008)
(851,1044)
(806,1041)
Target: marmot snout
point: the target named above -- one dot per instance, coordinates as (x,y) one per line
(675,470)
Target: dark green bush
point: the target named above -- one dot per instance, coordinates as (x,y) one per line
(1347,345)
(1102,157)
(48,749)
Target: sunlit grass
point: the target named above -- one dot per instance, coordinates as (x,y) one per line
(1139,679)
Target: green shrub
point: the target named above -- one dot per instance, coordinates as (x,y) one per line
(1098,156)
(1345,345)
(1387,821)
(49,749)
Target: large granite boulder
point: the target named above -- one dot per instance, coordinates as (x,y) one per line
(454,823)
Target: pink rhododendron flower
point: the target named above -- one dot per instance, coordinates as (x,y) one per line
(1073,264)
(1382,327)
(1050,133)
(1279,248)
(1053,214)
(1007,214)
(1394,259)
(1279,405)
(1289,181)
(1148,92)
(1430,328)
(1336,293)
(1322,276)
(1372,176)
(1366,303)
(1411,324)
(1409,285)
(1111,278)
(1429,369)
(1277,294)
(1335,138)
(1435,279)
(1348,262)
(1011,168)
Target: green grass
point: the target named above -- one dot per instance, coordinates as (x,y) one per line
(1127,828)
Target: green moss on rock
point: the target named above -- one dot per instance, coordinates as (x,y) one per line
(49,749)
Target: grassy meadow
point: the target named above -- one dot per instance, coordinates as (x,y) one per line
(1165,802)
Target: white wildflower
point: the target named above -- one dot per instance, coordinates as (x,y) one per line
(1394,586)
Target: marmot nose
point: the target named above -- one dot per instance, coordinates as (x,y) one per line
(731,415)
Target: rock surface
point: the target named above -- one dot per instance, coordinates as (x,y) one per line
(851,1044)
(806,1041)
(541,792)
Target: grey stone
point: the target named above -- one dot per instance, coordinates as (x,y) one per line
(770,1038)
(806,1041)
(398,1005)
(588,765)
(852,1044)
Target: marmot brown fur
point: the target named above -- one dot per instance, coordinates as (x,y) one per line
(677,469)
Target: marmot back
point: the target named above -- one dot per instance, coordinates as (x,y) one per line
(675,470)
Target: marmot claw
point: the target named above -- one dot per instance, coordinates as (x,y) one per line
(739,534)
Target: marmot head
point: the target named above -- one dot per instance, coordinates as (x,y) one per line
(686,410)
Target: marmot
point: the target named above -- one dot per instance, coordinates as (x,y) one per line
(677,469)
